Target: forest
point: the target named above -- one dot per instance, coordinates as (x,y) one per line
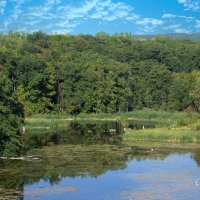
(99,73)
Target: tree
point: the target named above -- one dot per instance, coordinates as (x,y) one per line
(11,118)
(179,97)
(102,73)
(195,93)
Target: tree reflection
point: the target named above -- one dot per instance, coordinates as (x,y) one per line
(84,150)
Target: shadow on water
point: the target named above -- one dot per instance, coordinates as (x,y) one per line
(81,150)
(98,132)
(76,133)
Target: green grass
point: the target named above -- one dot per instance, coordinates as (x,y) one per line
(40,123)
(142,114)
(178,135)
(50,116)
(146,114)
(174,126)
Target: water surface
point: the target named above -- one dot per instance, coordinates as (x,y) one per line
(88,161)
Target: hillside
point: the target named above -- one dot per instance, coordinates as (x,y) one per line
(101,74)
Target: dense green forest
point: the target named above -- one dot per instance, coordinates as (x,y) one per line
(43,73)
(101,73)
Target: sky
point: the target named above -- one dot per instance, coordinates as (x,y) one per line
(138,17)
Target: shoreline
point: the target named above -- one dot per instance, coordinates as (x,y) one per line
(178,127)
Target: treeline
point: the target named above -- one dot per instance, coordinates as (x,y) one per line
(101,73)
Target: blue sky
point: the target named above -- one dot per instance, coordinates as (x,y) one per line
(92,16)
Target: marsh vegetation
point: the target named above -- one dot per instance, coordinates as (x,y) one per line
(144,125)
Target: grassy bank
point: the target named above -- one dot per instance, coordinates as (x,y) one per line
(40,123)
(174,126)
(177,135)
(178,118)
(182,128)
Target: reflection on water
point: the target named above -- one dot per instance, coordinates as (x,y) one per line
(87,161)
(77,133)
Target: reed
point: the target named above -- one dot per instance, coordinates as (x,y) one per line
(168,119)
(163,116)
(178,135)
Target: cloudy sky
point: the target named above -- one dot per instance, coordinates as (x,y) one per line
(92,16)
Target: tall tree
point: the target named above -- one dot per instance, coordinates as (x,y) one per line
(11,118)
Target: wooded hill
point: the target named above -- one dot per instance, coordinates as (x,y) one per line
(101,73)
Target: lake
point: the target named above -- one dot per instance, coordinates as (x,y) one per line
(89,161)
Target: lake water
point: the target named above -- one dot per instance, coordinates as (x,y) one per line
(87,161)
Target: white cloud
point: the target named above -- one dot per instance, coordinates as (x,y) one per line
(168,15)
(15,13)
(62,17)
(197,24)
(176,28)
(172,16)
(148,25)
(13,21)
(52,2)
(182,30)
(60,31)
(149,21)
(2,6)
(191,4)
(43,11)
(186,17)
(3,3)
(69,16)
(110,11)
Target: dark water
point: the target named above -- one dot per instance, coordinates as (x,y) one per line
(88,161)
(86,133)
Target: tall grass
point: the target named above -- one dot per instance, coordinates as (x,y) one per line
(164,135)
(50,116)
(176,119)
(38,123)
(140,114)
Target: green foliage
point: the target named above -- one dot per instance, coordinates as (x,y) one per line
(102,73)
(11,117)
(180,88)
(195,93)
